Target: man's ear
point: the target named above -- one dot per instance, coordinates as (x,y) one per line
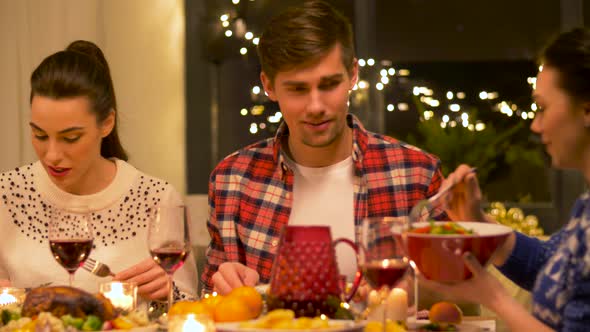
(106,127)
(354,74)
(267,84)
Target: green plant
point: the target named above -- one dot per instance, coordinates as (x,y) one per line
(501,156)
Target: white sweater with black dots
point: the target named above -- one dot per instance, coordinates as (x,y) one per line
(119,214)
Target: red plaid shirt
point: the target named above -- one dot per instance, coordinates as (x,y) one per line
(251,191)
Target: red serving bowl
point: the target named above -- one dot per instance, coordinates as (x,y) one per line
(439,257)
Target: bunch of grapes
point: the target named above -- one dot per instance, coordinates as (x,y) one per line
(515,218)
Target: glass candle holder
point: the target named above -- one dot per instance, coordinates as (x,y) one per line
(190,323)
(397,305)
(123,295)
(12,295)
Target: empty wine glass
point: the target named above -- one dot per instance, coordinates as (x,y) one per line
(70,238)
(168,240)
(385,266)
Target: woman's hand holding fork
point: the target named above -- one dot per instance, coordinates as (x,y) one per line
(151,279)
(464,204)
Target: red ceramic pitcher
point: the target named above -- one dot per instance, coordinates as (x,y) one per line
(305,276)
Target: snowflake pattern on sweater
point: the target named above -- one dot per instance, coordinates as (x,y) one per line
(561,296)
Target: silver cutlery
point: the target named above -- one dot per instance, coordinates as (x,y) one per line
(428,204)
(97,268)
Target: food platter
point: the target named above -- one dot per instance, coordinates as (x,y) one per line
(149,328)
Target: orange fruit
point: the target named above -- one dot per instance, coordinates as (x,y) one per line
(179,308)
(251,297)
(211,301)
(190,307)
(445,312)
(232,309)
(200,308)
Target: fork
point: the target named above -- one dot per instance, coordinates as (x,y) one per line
(95,267)
(417,211)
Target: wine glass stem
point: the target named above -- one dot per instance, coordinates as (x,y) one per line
(71,275)
(384,301)
(170,291)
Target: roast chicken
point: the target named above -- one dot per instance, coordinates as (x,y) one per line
(61,300)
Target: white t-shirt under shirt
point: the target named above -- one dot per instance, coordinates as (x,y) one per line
(325,196)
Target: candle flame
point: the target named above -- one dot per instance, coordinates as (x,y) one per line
(192,325)
(6,298)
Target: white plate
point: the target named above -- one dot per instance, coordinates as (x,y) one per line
(336,326)
(466,326)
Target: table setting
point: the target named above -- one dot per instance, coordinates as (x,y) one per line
(306,291)
(48,307)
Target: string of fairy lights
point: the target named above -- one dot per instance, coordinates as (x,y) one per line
(234,25)
(448,108)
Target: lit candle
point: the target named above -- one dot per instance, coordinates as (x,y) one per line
(190,323)
(121,295)
(397,305)
(375,307)
(11,295)
(6,298)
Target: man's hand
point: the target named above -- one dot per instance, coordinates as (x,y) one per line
(151,279)
(231,275)
(4,283)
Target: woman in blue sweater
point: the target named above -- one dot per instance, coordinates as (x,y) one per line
(557,271)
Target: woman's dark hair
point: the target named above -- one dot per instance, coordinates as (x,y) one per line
(81,70)
(569,54)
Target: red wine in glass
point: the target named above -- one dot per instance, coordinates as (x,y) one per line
(71,253)
(382,256)
(70,237)
(168,240)
(386,272)
(170,259)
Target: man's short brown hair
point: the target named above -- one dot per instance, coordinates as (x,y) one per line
(302,35)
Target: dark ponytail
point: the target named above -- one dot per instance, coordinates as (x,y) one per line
(81,70)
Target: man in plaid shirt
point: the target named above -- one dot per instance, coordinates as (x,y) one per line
(322,166)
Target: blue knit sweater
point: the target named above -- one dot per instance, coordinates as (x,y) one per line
(557,271)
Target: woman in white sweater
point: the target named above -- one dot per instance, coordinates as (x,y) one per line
(81,163)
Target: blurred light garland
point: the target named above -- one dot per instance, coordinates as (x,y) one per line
(235,26)
(457,118)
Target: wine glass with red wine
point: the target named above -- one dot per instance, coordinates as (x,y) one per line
(168,240)
(382,258)
(70,238)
